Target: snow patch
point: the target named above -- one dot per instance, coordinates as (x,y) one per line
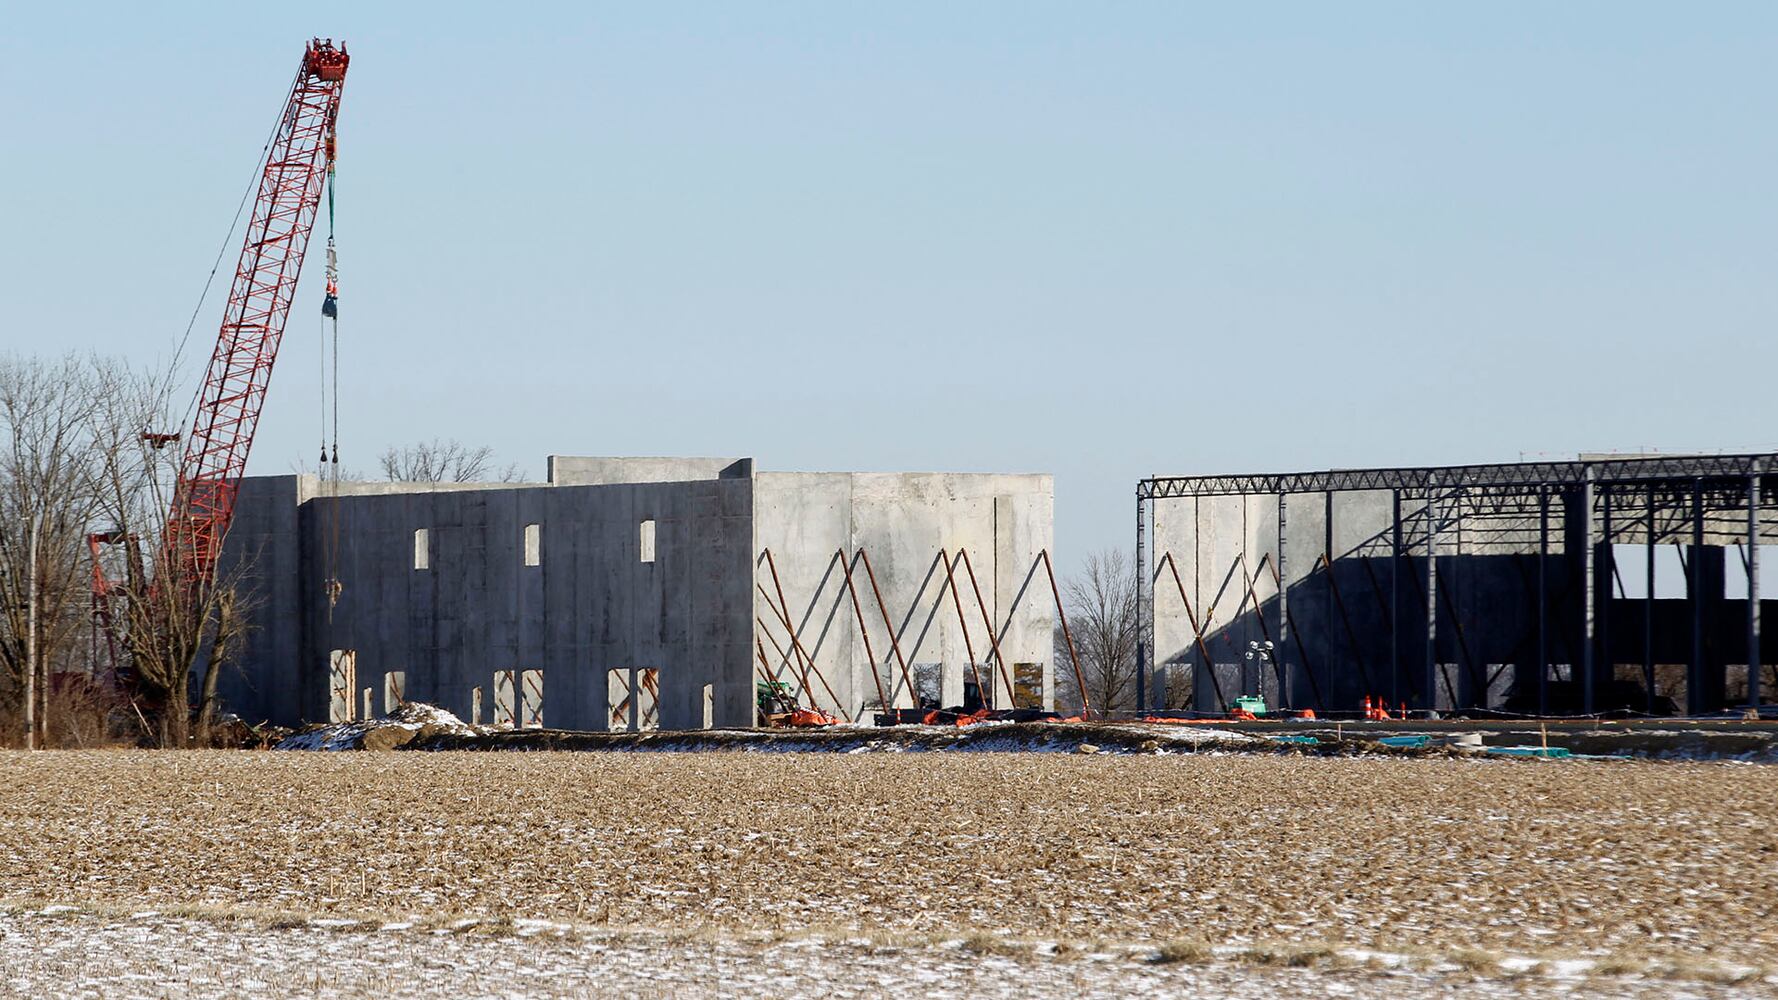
(412,720)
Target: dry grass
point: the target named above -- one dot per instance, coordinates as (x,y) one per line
(1666,861)
(1195,951)
(1475,960)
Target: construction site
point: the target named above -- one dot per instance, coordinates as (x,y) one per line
(697,725)
(1530,589)
(695,593)
(641,594)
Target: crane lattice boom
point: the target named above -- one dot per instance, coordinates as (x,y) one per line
(259,300)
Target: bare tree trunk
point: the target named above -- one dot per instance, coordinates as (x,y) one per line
(31,635)
(227,627)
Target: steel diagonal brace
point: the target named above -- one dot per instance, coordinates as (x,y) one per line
(781,609)
(1086,709)
(894,642)
(863,633)
(957,601)
(988,622)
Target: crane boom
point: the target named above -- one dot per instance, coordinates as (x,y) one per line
(240,370)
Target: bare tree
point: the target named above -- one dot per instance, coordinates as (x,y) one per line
(169,615)
(44,508)
(1103,613)
(445,461)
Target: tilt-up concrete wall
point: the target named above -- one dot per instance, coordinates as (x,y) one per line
(907,526)
(620,566)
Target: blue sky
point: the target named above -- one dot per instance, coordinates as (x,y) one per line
(1100,240)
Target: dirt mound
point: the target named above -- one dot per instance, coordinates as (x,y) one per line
(413,721)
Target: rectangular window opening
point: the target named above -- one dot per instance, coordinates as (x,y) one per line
(928,685)
(422,548)
(647,541)
(533,544)
(1027,685)
(709,706)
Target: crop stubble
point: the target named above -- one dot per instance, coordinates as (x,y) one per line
(1513,857)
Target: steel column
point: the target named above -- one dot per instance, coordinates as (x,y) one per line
(1607,661)
(1327,598)
(1648,607)
(1141,611)
(1432,528)
(1395,605)
(1543,600)
(1754,666)
(1589,587)
(1284,699)
(1694,593)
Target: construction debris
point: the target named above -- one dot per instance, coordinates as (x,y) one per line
(410,723)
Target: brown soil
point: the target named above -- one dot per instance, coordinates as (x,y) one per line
(1514,857)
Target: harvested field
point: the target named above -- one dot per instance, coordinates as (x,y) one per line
(1645,867)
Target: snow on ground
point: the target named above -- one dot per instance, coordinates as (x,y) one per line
(160,958)
(1563,875)
(413,720)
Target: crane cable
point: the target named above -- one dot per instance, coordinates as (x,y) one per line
(330,469)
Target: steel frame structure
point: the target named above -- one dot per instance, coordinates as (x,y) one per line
(1525,475)
(1691,501)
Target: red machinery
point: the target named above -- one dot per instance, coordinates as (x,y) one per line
(296,166)
(298,161)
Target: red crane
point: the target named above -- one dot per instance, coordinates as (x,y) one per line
(297,165)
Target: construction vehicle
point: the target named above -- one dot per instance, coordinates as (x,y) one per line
(1247,707)
(778,709)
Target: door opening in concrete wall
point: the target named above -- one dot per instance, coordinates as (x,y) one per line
(422,548)
(475,706)
(618,703)
(646,541)
(709,706)
(394,690)
(1229,678)
(504,698)
(648,698)
(531,706)
(1027,685)
(369,709)
(342,682)
(1180,683)
(929,681)
(533,544)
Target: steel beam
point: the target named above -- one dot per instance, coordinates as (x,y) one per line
(1522,475)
